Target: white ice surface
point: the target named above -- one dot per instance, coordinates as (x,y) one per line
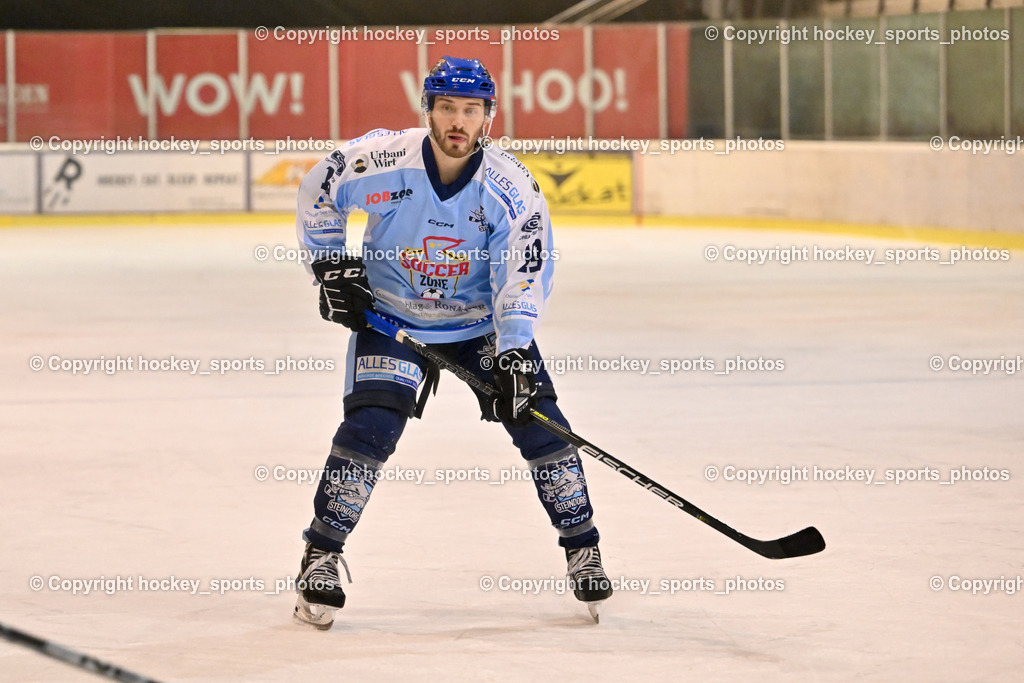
(152,474)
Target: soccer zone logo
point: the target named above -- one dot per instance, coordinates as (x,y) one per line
(348,494)
(563,483)
(434,270)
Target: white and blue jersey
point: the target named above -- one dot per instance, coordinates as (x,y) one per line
(447,262)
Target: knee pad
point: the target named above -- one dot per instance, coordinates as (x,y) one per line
(372,431)
(533,441)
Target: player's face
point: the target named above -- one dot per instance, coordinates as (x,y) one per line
(457,123)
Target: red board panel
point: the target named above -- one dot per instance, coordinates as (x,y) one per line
(287,94)
(197,87)
(379,85)
(625,88)
(88,85)
(76,85)
(545,85)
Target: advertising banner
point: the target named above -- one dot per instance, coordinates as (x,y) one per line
(276,178)
(143,182)
(585,182)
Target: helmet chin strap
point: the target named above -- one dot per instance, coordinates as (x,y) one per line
(477,146)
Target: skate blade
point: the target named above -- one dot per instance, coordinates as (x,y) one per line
(320,617)
(593,608)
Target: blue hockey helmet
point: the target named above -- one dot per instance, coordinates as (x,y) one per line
(460,78)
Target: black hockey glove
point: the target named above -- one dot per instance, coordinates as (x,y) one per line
(513,376)
(344,291)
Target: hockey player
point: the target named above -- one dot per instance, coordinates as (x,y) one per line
(457,252)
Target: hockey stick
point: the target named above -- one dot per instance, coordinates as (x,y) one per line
(71,657)
(804,542)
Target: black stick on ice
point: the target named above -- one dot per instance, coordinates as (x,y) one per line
(804,542)
(76,659)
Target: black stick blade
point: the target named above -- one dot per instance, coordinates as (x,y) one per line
(804,542)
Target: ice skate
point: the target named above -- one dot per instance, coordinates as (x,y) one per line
(319,587)
(589,582)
